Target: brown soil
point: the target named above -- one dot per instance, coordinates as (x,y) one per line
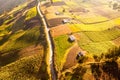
(117,41)
(111,14)
(55,21)
(60,30)
(14,55)
(31,51)
(47,4)
(59,3)
(71,57)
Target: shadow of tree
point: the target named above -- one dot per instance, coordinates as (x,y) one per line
(78,73)
(107,71)
(111,68)
(43,73)
(1,21)
(9,57)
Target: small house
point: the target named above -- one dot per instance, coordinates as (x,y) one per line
(71,38)
(57,13)
(80,54)
(65,21)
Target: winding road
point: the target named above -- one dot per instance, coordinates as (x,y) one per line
(50,47)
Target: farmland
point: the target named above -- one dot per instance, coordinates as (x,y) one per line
(60,47)
(95,24)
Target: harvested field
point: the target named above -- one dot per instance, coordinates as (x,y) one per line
(60,30)
(59,3)
(107,12)
(56,21)
(71,57)
(47,4)
(117,41)
(32,50)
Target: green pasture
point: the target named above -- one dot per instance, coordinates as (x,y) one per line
(107,35)
(25,68)
(61,46)
(31,13)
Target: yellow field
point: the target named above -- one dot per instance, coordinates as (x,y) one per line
(91,27)
(56,0)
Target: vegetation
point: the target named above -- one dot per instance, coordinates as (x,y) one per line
(25,68)
(95,30)
(91,18)
(31,13)
(61,46)
(97,48)
(91,27)
(107,35)
(56,0)
(22,45)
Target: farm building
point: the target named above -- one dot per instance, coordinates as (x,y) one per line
(65,21)
(57,13)
(80,54)
(71,38)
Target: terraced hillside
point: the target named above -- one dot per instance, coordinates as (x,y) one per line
(22,44)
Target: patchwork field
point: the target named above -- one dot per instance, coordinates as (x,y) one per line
(95,26)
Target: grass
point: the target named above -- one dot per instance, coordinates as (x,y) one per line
(56,0)
(91,27)
(21,39)
(117,21)
(97,42)
(31,13)
(107,35)
(25,68)
(83,39)
(61,46)
(22,48)
(97,48)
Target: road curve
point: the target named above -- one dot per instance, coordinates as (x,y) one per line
(50,47)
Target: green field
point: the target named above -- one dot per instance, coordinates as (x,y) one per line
(25,68)
(107,35)
(97,42)
(61,46)
(97,48)
(31,13)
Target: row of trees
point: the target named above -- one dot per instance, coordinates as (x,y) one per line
(114,5)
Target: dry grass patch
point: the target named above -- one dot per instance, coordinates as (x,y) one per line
(71,57)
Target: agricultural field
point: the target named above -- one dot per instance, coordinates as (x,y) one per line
(22,44)
(95,24)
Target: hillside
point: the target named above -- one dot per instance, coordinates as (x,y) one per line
(7,5)
(22,43)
